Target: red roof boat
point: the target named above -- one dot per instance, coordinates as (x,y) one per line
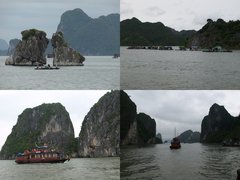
(41,155)
(175,143)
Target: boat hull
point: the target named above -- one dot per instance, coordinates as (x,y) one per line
(27,161)
(175,147)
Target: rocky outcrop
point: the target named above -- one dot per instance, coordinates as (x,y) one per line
(91,36)
(99,134)
(128,127)
(217,33)
(135,128)
(189,136)
(47,123)
(219,125)
(30,51)
(146,129)
(12,46)
(64,55)
(159,138)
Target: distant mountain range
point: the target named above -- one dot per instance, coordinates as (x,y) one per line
(3,45)
(214,33)
(189,136)
(135,32)
(91,36)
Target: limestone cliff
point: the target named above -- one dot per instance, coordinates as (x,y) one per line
(146,129)
(219,125)
(99,134)
(91,36)
(217,33)
(135,128)
(189,136)
(30,51)
(64,55)
(159,138)
(128,127)
(47,123)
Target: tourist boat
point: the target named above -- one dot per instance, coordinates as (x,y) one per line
(175,143)
(41,155)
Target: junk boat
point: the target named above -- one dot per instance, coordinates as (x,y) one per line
(175,143)
(41,155)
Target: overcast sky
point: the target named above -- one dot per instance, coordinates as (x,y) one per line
(16,15)
(182,109)
(180,14)
(12,103)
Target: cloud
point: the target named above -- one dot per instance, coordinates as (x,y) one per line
(126,9)
(154,11)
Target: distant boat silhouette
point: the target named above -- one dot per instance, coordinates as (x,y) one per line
(175,143)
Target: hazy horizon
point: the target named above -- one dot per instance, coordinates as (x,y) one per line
(16,16)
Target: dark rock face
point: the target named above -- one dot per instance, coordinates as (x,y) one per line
(217,33)
(135,128)
(99,134)
(159,138)
(137,33)
(64,55)
(128,127)
(31,50)
(47,123)
(217,125)
(146,129)
(12,46)
(91,36)
(189,137)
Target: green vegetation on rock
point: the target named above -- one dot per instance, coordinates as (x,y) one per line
(217,33)
(34,126)
(29,33)
(137,33)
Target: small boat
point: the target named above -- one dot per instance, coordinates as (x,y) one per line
(41,155)
(175,143)
(115,56)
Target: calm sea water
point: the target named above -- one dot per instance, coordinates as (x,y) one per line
(75,169)
(192,161)
(154,69)
(101,72)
